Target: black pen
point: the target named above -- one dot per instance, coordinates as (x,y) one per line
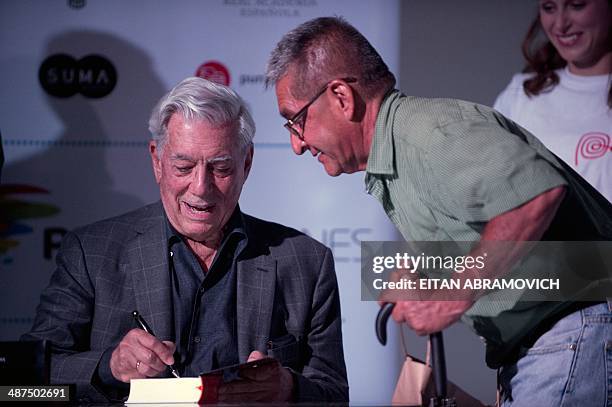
(145,327)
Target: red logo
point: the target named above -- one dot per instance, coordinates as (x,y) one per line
(592,145)
(215,72)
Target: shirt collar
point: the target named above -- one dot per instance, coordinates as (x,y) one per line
(235,225)
(381,151)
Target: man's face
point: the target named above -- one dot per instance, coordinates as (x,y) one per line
(200,174)
(324,130)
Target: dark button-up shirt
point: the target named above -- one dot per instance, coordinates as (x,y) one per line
(205,301)
(204,306)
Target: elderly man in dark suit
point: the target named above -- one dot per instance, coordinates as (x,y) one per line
(216,286)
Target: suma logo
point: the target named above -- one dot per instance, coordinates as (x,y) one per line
(215,72)
(62,76)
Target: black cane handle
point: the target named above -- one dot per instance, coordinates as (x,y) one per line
(381,322)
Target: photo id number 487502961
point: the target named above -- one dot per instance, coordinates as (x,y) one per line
(34,393)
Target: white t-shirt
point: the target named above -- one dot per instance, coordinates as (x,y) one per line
(573,120)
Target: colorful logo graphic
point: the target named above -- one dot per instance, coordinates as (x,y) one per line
(14,211)
(215,72)
(592,145)
(62,76)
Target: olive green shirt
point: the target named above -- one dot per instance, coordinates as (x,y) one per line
(442,169)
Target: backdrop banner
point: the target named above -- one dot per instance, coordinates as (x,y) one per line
(79,79)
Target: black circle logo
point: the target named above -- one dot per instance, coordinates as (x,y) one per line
(63,76)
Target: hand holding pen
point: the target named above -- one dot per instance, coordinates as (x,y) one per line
(145,327)
(139,354)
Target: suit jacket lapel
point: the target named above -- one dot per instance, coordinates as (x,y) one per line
(147,262)
(256,283)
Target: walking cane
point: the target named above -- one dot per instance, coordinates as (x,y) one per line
(437,357)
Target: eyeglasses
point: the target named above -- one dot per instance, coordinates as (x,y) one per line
(295,125)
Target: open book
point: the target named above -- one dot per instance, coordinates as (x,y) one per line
(202,389)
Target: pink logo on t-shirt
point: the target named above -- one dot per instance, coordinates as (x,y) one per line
(593,145)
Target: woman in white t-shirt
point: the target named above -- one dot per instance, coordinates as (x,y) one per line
(564,96)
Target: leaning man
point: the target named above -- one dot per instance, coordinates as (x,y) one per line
(216,286)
